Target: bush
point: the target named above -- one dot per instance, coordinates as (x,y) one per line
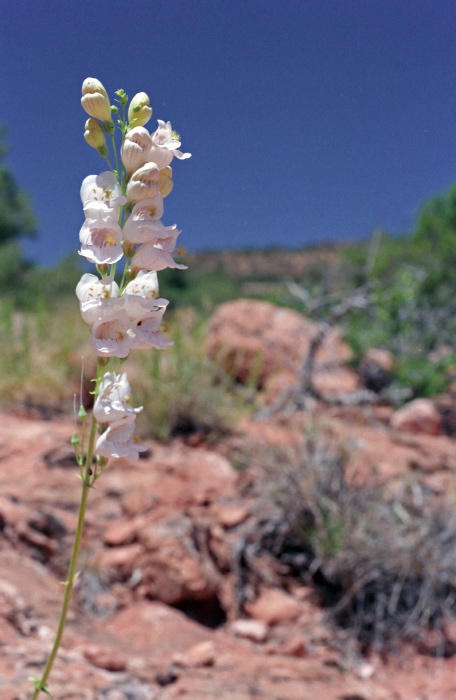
(382,560)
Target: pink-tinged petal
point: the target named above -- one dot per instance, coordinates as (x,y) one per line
(139,308)
(146,338)
(94,310)
(118,440)
(135,147)
(145,284)
(160,155)
(113,400)
(101,243)
(151,256)
(112,337)
(92,287)
(182,156)
(144,183)
(101,188)
(143,222)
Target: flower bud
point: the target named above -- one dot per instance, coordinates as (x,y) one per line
(95,101)
(165,182)
(95,137)
(143,183)
(139,111)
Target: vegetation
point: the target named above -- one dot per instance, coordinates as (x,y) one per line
(382,559)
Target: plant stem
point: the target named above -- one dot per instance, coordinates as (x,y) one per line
(72,575)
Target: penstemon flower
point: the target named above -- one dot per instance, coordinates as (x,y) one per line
(123,207)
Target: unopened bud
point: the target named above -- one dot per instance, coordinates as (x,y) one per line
(139,111)
(165,182)
(95,101)
(95,137)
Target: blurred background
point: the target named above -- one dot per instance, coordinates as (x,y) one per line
(322,135)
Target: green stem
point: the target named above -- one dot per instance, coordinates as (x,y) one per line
(87,482)
(113,141)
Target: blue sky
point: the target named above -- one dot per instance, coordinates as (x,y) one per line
(308,120)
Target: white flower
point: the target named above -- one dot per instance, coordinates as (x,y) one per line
(112,333)
(92,293)
(157,254)
(102,188)
(113,400)
(148,334)
(164,137)
(135,148)
(141,225)
(139,308)
(118,440)
(101,242)
(143,183)
(145,284)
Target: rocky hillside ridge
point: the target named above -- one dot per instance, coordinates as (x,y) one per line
(175,599)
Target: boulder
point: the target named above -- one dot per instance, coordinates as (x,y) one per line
(255,340)
(418,416)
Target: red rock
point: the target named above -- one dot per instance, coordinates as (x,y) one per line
(274,606)
(202,654)
(252,340)
(108,658)
(172,569)
(418,416)
(121,559)
(255,630)
(295,646)
(123,532)
(231,514)
(155,631)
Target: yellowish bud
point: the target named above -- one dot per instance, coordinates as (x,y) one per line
(139,111)
(95,100)
(95,137)
(165,182)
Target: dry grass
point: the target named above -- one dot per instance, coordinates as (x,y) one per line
(384,563)
(182,392)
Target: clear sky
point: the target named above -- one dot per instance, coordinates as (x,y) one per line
(308,120)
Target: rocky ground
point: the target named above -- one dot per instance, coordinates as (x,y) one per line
(161,609)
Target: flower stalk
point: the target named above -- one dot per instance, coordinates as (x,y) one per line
(123,208)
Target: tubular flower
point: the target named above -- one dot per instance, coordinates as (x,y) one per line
(93,294)
(113,400)
(103,189)
(147,332)
(135,149)
(144,220)
(112,336)
(165,137)
(157,254)
(143,184)
(95,100)
(100,242)
(145,284)
(118,440)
